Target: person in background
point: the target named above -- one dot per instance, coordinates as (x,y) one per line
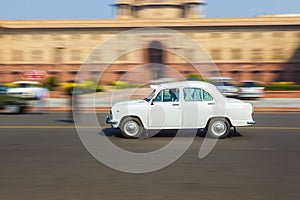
(42,94)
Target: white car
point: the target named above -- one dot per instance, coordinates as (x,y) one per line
(226,86)
(181,105)
(27,89)
(251,90)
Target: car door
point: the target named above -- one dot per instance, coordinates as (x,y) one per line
(165,110)
(197,107)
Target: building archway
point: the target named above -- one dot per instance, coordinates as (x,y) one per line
(156,59)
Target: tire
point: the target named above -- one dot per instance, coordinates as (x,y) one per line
(218,128)
(13,109)
(131,127)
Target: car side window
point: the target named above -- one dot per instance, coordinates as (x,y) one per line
(192,94)
(196,94)
(168,95)
(207,96)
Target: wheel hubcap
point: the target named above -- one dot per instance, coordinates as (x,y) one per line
(219,128)
(131,128)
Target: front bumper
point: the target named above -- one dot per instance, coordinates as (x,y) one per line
(110,121)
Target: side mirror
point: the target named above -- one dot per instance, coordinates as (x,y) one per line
(152,102)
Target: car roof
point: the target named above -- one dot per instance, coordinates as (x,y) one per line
(221,78)
(183,84)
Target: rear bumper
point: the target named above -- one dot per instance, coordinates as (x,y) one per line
(251,122)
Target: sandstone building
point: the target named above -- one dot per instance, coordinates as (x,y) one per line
(264,48)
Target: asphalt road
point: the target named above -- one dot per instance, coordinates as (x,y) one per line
(42,157)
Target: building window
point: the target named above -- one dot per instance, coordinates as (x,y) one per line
(278,54)
(189,54)
(75,37)
(216,54)
(215,35)
(53,73)
(56,37)
(96,56)
(17,55)
(37,37)
(277,72)
(215,73)
(36,55)
(72,72)
(76,55)
(122,55)
(236,54)
(57,55)
(18,37)
(278,34)
(257,35)
(257,54)
(95,37)
(236,74)
(187,72)
(236,35)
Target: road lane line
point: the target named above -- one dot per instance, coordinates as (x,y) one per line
(72,127)
(271,128)
(50,127)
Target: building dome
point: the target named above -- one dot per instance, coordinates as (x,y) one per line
(151,9)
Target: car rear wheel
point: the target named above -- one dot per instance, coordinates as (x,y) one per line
(131,127)
(218,128)
(13,109)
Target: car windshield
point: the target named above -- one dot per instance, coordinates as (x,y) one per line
(150,96)
(26,85)
(3,89)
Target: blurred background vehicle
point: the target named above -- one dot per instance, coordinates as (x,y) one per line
(11,104)
(226,85)
(26,89)
(251,89)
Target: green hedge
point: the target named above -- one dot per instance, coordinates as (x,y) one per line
(281,87)
(123,85)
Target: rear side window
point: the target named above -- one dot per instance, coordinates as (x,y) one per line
(192,94)
(206,96)
(196,94)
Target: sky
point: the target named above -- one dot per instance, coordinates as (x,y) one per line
(100,9)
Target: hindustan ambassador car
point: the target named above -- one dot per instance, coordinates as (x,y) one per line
(181,105)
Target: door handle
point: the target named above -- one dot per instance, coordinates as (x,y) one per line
(175,104)
(211,103)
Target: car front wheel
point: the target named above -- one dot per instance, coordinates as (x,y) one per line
(13,109)
(218,128)
(131,128)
